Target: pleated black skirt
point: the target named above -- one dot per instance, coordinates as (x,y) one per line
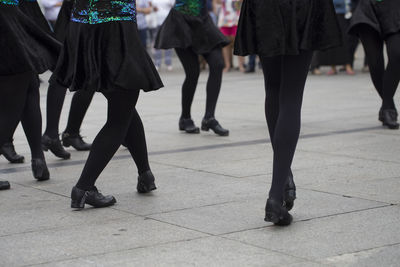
(105,57)
(32,10)
(28,47)
(63,19)
(183,31)
(284,27)
(383,16)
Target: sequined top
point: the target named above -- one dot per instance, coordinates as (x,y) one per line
(101,11)
(10,2)
(191,7)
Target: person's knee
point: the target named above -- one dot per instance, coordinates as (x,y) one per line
(217,64)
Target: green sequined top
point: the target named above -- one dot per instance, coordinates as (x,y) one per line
(101,11)
(191,7)
(9,2)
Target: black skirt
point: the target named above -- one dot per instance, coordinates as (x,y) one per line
(183,31)
(284,27)
(382,16)
(105,57)
(60,28)
(339,55)
(32,10)
(28,47)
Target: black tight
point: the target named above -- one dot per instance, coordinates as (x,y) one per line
(190,62)
(79,105)
(123,123)
(20,101)
(55,100)
(285,78)
(385,81)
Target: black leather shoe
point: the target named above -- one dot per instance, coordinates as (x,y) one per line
(39,170)
(76,141)
(277,213)
(54,145)
(4,185)
(381,114)
(188,126)
(250,70)
(8,151)
(389,118)
(146,183)
(290,193)
(91,197)
(214,125)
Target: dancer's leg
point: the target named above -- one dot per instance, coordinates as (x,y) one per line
(136,142)
(31,119)
(216,64)
(12,102)
(190,62)
(55,102)
(392,72)
(120,111)
(294,71)
(79,105)
(373,46)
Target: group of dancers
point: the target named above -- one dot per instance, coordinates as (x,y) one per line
(96,48)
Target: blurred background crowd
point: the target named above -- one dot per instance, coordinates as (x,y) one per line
(225,14)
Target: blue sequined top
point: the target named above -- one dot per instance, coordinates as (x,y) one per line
(101,11)
(9,2)
(191,7)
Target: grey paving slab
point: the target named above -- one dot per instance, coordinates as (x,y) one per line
(86,239)
(383,256)
(330,236)
(212,251)
(248,213)
(38,210)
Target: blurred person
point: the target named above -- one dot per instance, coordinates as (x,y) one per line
(33,52)
(55,99)
(376,23)
(284,34)
(143,8)
(190,30)
(51,10)
(340,55)
(228,18)
(102,52)
(163,8)
(32,10)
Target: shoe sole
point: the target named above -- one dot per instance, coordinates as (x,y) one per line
(142,188)
(206,129)
(46,148)
(271,217)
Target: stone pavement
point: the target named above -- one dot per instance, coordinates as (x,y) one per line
(209,206)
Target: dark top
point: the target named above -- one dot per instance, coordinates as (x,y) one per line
(100,11)
(191,7)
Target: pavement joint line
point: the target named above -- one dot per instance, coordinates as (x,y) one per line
(346,156)
(267,249)
(118,251)
(363,250)
(193,149)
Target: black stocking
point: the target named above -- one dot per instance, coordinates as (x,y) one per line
(31,119)
(285,78)
(55,101)
(79,105)
(373,46)
(392,72)
(190,62)
(216,64)
(121,109)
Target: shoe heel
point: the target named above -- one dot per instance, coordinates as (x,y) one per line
(271,217)
(205,128)
(66,144)
(75,204)
(45,148)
